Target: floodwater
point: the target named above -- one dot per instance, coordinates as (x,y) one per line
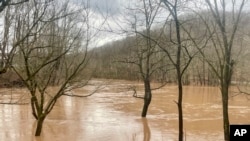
(113,114)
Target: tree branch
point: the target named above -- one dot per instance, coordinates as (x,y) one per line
(133,88)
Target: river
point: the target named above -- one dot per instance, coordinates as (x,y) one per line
(113,114)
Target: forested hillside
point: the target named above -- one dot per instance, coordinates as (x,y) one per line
(111,59)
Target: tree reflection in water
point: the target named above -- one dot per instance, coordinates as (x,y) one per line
(146,129)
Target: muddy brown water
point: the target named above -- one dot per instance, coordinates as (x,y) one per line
(112,114)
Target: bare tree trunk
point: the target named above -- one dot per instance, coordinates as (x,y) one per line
(204,71)
(179,75)
(179,104)
(147,97)
(39,125)
(224,92)
(225,84)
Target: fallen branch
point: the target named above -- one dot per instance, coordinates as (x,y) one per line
(135,92)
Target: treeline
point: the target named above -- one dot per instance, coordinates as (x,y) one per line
(111,59)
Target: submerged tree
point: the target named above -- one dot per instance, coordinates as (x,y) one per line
(181,51)
(55,47)
(178,46)
(222,31)
(144,52)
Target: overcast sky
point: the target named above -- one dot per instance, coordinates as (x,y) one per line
(111,6)
(115,11)
(104,6)
(118,19)
(110,10)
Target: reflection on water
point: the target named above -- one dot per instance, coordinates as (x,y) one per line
(146,129)
(113,114)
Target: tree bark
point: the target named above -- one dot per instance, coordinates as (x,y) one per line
(39,125)
(225,113)
(179,104)
(147,97)
(225,91)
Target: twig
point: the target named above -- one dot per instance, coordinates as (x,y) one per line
(175,102)
(242,92)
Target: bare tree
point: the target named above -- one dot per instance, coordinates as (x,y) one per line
(54,44)
(222,30)
(180,67)
(145,53)
(179,48)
